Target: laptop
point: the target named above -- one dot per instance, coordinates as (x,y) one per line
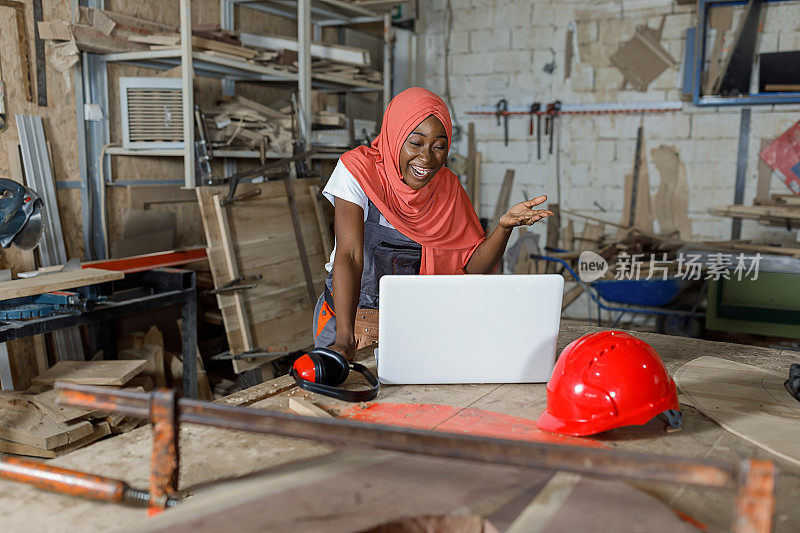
(468,328)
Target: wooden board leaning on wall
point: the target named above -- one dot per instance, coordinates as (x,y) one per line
(256,237)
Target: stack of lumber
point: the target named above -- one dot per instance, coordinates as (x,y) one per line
(31,423)
(102,31)
(238,121)
(255,239)
(780,210)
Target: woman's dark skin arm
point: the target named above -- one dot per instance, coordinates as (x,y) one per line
(348,264)
(491,250)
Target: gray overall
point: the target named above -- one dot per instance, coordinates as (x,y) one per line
(386,251)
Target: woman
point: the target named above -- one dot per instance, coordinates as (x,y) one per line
(399,211)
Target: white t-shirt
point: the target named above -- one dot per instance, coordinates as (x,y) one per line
(343,185)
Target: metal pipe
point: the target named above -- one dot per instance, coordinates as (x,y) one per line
(187,87)
(625,465)
(304,65)
(61,480)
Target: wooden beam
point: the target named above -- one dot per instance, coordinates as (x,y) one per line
(503,198)
(56,281)
(324,230)
(470,187)
(242,315)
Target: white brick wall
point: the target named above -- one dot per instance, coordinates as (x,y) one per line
(498,50)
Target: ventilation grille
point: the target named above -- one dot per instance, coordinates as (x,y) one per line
(155,115)
(152,110)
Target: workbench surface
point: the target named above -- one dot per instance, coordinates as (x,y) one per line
(209,455)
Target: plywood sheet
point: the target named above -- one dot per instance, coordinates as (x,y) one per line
(747,401)
(56,281)
(91,372)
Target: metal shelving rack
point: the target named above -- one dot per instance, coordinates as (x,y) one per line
(311,15)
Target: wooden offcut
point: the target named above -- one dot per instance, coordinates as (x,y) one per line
(56,281)
(642,59)
(255,237)
(219,46)
(63,414)
(99,430)
(671,203)
(28,425)
(303,407)
(91,372)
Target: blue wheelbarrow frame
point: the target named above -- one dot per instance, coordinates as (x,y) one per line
(639,296)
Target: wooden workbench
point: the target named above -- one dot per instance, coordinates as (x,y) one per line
(210,455)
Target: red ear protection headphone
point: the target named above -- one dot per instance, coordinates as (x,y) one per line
(321,370)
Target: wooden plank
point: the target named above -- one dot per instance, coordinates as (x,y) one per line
(471,152)
(63,414)
(770,87)
(571,296)
(31,426)
(590,238)
(643,212)
(91,372)
(232,273)
(757,211)
(210,44)
(301,406)
(568,236)
(746,400)
(534,517)
(764,177)
(167,39)
(324,229)
(101,429)
(567,504)
(476,184)
(503,198)
(332,52)
(56,281)
(746,247)
(371,488)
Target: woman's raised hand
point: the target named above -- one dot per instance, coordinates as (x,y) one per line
(524,214)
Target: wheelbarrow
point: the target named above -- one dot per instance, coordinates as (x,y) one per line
(659,297)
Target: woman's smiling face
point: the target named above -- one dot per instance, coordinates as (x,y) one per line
(423,153)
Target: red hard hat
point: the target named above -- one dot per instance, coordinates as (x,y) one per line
(607,380)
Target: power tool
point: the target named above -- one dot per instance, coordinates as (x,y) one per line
(21,216)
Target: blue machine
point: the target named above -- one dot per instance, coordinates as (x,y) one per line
(41,305)
(644,297)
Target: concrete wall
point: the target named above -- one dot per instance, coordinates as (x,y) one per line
(498,50)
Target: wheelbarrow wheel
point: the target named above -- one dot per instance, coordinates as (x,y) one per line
(680,325)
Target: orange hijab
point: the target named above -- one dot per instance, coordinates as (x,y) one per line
(439,216)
